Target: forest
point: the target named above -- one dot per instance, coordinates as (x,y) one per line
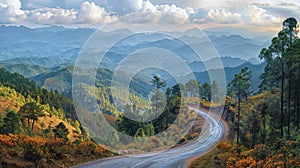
(264,125)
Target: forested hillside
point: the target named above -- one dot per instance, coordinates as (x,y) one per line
(264,126)
(37,128)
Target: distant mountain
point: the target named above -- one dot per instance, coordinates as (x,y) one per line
(223,30)
(22,41)
(41,61)
(237,46)
(254,61)
(25,69)
(198,66)
(60,79)
(257,70)
(59,45)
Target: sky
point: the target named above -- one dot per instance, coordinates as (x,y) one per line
(261,15)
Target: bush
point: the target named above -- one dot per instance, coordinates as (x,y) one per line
(32,153)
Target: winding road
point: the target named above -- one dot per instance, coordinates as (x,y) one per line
(175,157)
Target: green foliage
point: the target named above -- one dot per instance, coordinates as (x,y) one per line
(140,133)
(158,97)
(77,126)
(1,120)
(114,138)
(241,83)
(28,131)
(158,82)
(47,132)
(206,92)
(192,88)
(30,90)
(159,124)
(12,123)
(61,131)
(240,86)
(32,152)
(149,130)
(31,111)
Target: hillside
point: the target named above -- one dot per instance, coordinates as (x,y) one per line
(24,69)
(34,133)
(264,125)
(10,100)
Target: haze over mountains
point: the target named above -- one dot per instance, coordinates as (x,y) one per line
(56,42)
(38,51)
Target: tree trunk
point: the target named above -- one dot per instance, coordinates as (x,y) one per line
(156,105)
(32,124)
(281,100)
(238,125)
(289,99)
(298,113)
(12,128)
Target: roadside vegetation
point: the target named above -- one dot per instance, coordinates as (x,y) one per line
(264,125)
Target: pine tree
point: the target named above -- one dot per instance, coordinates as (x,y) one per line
(31,111)
(61,131)
(278,65)
(12,123)
(240,85)
(158,83)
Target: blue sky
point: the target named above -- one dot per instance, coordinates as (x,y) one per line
(258,14)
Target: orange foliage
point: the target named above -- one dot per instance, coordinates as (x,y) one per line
(49,148)
(256,157)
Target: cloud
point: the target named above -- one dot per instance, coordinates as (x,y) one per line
(224,16)
(146,12)
(123,7)
(251,15)
(9,10)
(263,13)
(51,16)
(91,13)
(258,16)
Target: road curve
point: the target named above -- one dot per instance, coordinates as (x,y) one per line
(174,157)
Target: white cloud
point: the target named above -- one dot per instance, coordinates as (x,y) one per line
(51,16)
(251,14)
(224,16)
(9,10)
(14,5)
(143,12)
(258,16)
(158,14)
(91,13)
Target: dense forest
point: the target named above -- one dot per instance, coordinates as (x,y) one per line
(264,125)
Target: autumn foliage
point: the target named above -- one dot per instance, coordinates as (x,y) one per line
(35,148)
(259,156)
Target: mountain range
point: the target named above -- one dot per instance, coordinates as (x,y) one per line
(64,44)
(47,55)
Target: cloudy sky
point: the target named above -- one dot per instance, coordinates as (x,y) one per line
(259,14)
